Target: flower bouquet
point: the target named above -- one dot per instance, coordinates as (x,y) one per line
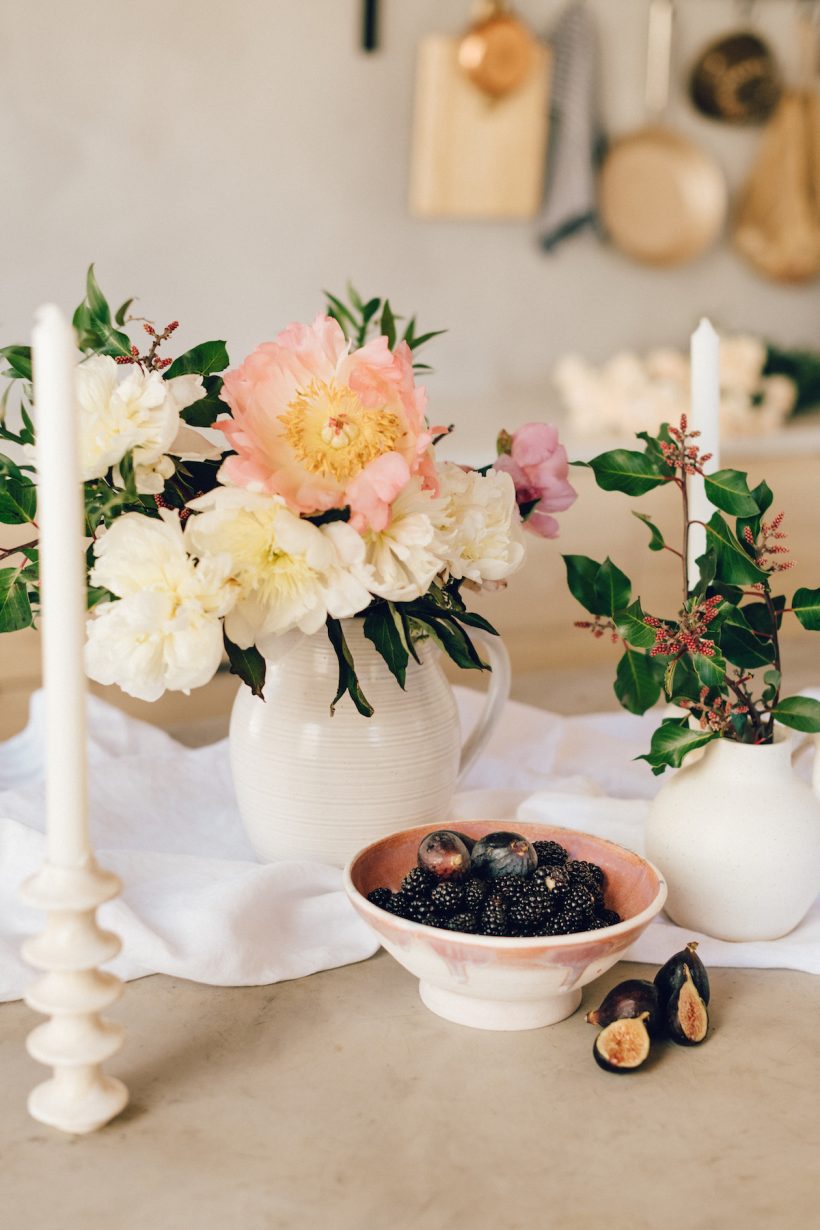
(226,509)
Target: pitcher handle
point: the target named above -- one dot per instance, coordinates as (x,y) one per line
(498,694)
(799,746)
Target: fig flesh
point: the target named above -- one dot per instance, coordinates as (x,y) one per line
(687,1020)
(623,1046)
(636,997)
(670,977)
(502,854)
(445,854)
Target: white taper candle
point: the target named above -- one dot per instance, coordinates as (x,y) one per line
(704,417)
(60,520)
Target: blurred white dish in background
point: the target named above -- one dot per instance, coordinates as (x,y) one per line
(628,393)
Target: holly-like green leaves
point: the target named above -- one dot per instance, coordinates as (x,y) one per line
(630,624)
(15,608)
(734,565)
(612,588)
(806,606)
(672,741)
(627,471)
(92,321)
(799,712)
(656,541)
(729,491)
(383,626)
(582,573)
(638,681)
(18,495)
(202,360)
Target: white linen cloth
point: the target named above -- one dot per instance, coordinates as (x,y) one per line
(197,905)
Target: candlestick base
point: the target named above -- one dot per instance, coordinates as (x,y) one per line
(79,1097)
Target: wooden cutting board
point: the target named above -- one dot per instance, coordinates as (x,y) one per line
(473,156)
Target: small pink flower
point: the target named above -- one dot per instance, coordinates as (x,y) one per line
(538,466)
(326,427)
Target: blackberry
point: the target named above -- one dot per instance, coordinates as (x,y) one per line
(398,904)
(550,854)
(465,922)
(608,918)
(418,882)
(554,880)
(571,919)
(380,897)
(525,912)
(557,925)
(543,900)
(418,909)
(447,898)
(580,899)
(588,874)
(493,919)
(475,891)
(511,888)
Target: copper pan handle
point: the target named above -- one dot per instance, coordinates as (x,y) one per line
(659,55)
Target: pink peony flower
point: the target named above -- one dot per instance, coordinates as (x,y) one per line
(538,466)
(326,427)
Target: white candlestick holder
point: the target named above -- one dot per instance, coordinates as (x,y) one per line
(79,1097)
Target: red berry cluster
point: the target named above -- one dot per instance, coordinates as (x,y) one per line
(715,714)
(598,627)
(151,361)
(688,636)
(768,543)
(680,454)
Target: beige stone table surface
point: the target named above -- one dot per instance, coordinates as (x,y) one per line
(338,1102)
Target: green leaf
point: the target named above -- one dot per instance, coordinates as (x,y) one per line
(120,314)
(202,360)
(672,741)
(15,608)
(637,685)
(680,681)
(759,617)
(340,312)
(741,645)
(453,641)
(656,541)
(18,501)
(762,495)
(582,573)
(798,712)
(380,628)
(96,300)
(388,324)
(425,337)
(806,606)
(613,588)
(206,411)
(734,567)
(348,679)
(729,491)
(248,664)
(19,360)
(631,626)
(711,672)
(630,472)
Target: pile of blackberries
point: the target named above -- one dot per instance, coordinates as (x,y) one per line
(502,885)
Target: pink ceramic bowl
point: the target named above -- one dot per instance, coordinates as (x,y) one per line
(492,983)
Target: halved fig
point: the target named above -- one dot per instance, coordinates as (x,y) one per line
(636,997)
(670,977)
(623,1046)
(686,1017)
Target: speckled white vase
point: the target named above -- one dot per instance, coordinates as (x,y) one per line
(312,786)
(737,835)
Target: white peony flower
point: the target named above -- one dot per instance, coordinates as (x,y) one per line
(480,530)
(290,573)
(403,559)
(139,412)
(164,631)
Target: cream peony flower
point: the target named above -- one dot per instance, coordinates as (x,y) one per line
(480,530)
(165,629)
(139,413)
(290,573)
(403,558)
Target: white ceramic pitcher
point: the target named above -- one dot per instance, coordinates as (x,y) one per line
(312,786)
(737,835)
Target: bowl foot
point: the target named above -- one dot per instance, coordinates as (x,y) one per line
(499,1013)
